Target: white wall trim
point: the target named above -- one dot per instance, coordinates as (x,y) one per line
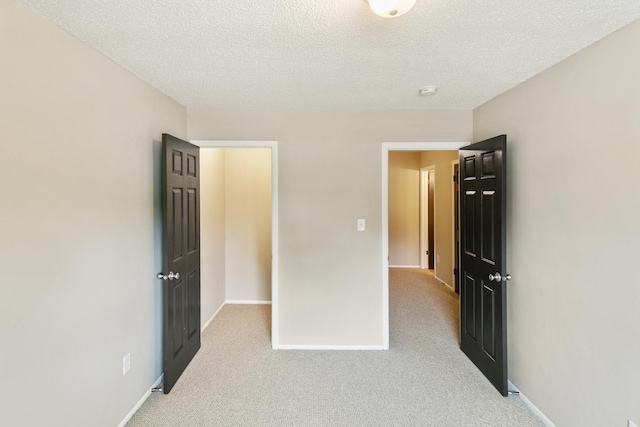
(443,282)
(231,302)
(331,347)
(533,407)
(233,144)
(423,146)
(386,147)
(248,302)
(274,218)
(143,399)
(208,322)
(404,266)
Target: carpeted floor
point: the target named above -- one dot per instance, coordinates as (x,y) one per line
(423,380)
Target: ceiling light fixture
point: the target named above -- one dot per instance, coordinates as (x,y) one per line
(391,8)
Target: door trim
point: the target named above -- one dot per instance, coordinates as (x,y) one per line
(274,218)
(386,147)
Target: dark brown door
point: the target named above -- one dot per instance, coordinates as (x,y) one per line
(483,296)
(181,257)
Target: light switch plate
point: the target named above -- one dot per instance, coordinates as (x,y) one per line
(126,364)
(361,225)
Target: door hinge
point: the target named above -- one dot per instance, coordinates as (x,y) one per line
(426,252)
(455,271)
(455,178)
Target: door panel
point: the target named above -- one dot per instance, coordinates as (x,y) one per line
(181,257)
(488,320)
(488,226)
(469,307)
(483,227)
(193,281)
(176,316)
(469,227)
(177,224)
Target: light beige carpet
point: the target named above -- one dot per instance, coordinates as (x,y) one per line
(423,380)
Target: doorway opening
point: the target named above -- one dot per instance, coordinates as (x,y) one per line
(252,235)
(388,147)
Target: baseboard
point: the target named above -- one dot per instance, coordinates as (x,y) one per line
(137,406)
(230,302)
(241,301)
(211,318)
(404,266)
(443,282)
(140,402)
(329,347)
(533,407)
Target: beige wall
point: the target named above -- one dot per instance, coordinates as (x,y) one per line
(444,260)
(404,208)
(574,301)
(212,231)
(248,224)
(79,227)
(330,175)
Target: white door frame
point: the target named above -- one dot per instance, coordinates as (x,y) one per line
(386,147)
(424,214)
(274,218)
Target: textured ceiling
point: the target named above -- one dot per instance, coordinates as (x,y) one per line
(336,54)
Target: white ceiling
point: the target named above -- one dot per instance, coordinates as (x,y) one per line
(336,54)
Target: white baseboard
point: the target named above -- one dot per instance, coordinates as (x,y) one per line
(241,301)
(140,402)
(404,266)
(159,380)
(533,407)
(211,318)
(443,282)
(329,347)
(208,322)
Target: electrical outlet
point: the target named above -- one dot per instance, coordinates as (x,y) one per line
(632,424)
(126,364)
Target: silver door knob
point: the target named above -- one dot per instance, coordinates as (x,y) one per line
(169,276)
(499,278)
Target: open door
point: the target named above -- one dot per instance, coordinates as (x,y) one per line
(181,257)
(483,296)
